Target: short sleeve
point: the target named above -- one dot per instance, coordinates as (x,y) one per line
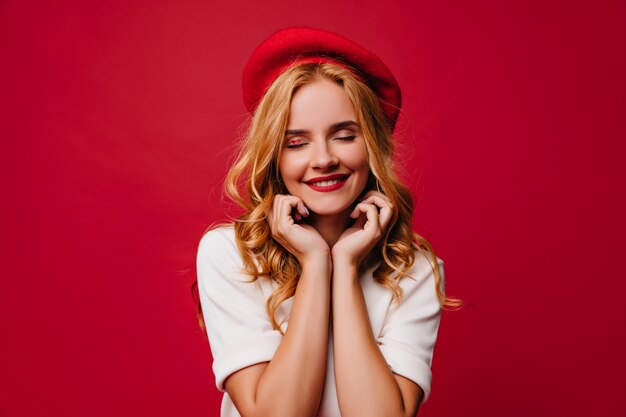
(239,330)
(409,333)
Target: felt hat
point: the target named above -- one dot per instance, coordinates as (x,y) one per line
(296,45)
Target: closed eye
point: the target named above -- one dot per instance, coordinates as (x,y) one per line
(346,138)
(295,143)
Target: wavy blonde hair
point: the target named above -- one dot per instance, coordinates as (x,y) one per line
(255,170)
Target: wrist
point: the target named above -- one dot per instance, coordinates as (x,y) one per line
(344,261)
(316,259)
(345,272)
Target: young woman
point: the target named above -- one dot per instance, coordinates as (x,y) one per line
(319,300)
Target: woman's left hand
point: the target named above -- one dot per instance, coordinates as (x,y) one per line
(372,219)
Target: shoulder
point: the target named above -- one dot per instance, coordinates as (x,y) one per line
(425,261)
(218,248)
(219,239)
(422,272)
(219,234)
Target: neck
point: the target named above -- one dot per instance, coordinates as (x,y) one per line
(331,227)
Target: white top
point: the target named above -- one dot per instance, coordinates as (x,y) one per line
(241,334)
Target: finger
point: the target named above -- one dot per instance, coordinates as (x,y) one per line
(369,194)
(356,212)
(375,193)
(379,200)
(361,218)
(384,217)
(359,208)
(288,204)
(371,222)
(300,209)
(304,212)
(386,208)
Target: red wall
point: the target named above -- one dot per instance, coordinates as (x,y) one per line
(117,119)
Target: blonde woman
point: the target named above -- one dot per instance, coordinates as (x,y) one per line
(319,300)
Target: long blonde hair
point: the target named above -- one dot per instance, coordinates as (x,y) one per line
(254,180)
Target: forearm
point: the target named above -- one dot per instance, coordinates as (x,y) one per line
(293,381)
(365,384)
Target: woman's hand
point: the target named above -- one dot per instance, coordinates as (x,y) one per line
(372,219)
(302,240)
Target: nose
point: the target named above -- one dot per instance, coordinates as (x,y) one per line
(323,157)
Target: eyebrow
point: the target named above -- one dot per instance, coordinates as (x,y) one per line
(339,125)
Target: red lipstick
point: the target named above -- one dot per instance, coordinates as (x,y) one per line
(338,179)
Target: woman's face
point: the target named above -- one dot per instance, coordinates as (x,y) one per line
(324,158)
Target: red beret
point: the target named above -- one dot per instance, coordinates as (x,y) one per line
(297,45)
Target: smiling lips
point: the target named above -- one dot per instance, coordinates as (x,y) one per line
(329,183)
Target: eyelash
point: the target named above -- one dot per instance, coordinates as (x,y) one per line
(346,138)
(342,138)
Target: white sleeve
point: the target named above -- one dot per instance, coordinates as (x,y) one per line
(239,330)
(410,329)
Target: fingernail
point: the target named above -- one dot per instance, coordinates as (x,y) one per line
(307,211)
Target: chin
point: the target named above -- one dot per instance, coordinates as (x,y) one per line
(322,210)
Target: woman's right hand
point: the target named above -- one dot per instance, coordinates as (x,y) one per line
(302,240)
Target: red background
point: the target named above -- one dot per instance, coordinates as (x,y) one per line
(117,119)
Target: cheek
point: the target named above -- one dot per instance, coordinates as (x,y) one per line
(362,166)
(290,168)
(357,160)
